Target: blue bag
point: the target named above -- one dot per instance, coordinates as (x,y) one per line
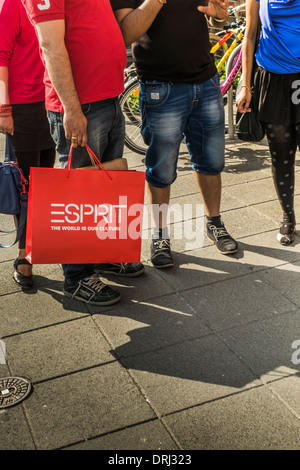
(13,193)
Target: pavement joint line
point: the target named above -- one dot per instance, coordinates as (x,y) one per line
(226,211)
(97,436)
(254,204)
(297,305)
(43,327)
(273,392)
(29,425)
(151,405)
(213,400)
(245,390)
(166,346)
(252,273)
(74,372)
(281,263)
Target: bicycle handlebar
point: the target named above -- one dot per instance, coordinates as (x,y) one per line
(234,25)
(236,10)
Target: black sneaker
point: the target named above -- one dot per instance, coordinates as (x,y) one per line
(161,253)
(120,269)
(92,291)
(221,238)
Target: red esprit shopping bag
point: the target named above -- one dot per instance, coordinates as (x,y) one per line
(83,216)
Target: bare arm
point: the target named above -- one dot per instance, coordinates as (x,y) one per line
(51,37)
(135,23)
(6,122)
(252,10)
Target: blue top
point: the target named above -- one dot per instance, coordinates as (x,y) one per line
(279,45)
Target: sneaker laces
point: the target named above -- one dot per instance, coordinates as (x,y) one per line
(162,244)
(122,266)
(219,232)
(93,282)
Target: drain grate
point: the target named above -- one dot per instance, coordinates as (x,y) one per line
(13,390)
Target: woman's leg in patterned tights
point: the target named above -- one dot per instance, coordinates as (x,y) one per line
(283,142)
(44,158)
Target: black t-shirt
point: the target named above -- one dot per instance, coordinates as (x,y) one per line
(176,47)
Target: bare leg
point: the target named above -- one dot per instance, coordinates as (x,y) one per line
(158,197)
(210,188)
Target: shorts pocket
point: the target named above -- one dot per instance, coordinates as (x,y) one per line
(154,93)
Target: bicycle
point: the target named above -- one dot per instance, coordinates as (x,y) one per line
(220,47)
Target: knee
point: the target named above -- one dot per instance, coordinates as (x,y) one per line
(160,179)
(215,168)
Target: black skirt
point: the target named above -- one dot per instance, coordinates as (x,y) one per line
(277,97)
(31,128)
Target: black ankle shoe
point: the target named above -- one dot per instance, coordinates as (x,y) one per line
(26,282)
(221,238)
(161,256)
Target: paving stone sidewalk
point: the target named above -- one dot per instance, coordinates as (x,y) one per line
(204,356)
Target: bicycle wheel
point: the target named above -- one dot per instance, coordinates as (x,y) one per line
(129,102)
(233,70)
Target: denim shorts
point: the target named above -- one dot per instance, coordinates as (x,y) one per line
(105,130)
(171,111)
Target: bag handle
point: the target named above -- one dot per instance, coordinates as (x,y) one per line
(10,156)
(91,153)
(21,223)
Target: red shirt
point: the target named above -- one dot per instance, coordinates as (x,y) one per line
(94,43)
(19,51)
